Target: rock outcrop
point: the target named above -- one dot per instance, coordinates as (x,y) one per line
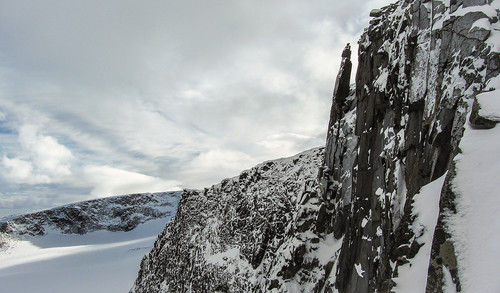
(380,211)
(226,238)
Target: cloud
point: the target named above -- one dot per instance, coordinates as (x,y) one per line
(165,94)
(47,154)
(112,181)
(21,171)
(44,159)
(14,202)
(288,143)
(213,165)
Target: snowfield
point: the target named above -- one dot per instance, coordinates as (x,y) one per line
(91,246)
(100,261)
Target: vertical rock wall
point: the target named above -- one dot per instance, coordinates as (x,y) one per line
(420,65)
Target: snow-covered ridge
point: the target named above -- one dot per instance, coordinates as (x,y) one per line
(117,213)
(225,238)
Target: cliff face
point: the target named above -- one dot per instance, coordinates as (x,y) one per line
(390,207)
(226,238)
(421,64)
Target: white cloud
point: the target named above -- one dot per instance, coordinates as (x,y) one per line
(20,171)
(193,95)
(213,165)
(43,160)
(17,168)
(220,159)
(112,181)
(288,143)
(48,155)
(273,79)
(21,202)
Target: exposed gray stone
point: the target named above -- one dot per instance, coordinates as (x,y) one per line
(376,13)
(443,251)
(467,3)
(250,215)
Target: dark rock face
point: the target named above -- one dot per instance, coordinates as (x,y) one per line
(414,82)
(354,227)
(119,213)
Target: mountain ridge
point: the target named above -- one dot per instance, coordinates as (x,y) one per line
(385,208)
(401,198)
(116,213)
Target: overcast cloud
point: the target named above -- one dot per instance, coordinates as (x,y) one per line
(111,97)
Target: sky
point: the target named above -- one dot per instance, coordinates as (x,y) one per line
(101,98)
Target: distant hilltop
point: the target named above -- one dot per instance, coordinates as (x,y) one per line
(118,213)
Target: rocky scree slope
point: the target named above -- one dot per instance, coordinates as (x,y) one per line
(383,213)
(118,213)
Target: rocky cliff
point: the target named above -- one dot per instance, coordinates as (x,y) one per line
(391,205)
(225,238)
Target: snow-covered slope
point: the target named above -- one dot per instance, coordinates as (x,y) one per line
(92,246)
(405,199)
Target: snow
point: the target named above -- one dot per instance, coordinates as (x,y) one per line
(490,102)
(364,222)
(481,23)
(359,270)
(449,286)
(221,258)
(327,247)
(475,229)
(380,194)
(413,275)
(398,197)
(381,81)
(488,10)
(96,262)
